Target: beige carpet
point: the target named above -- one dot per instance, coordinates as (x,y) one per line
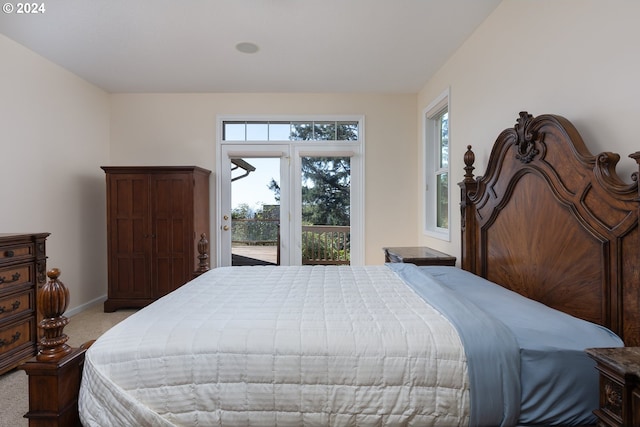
(82,327)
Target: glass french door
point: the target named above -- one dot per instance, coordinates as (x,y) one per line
(314,209)
(251,215)
(323,207)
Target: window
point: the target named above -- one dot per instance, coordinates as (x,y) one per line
(328,130)
(436,168)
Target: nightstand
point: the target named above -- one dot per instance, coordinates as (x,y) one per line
(619,385)
(418,255)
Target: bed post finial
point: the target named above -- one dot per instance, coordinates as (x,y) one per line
(203,251)
(469,159)
(53,300)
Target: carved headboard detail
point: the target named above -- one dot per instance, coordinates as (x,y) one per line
(555,223)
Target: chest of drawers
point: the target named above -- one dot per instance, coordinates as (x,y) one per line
(22,271)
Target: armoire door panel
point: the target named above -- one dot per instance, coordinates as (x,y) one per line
(128,234)
(132,273)
(171,194)
(163,282)
(171,221)
(180,245)
(169,271)
(130,195)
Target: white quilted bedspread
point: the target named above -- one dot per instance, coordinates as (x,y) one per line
(280,346)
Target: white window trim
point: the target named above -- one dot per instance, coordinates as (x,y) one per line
(357,150)
(430,144)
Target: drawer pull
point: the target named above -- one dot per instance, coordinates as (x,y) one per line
(15,337)
(14,307)
(9,253)
(14,278)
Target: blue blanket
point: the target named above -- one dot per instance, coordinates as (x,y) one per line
(526,361)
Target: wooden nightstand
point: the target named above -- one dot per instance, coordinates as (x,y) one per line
(418,255)
(619,385)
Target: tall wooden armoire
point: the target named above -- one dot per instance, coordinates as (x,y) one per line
(155,218)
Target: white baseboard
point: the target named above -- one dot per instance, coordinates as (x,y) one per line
(85,306)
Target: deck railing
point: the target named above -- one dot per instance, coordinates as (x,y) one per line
(325,244)
(321,244)
(255,231)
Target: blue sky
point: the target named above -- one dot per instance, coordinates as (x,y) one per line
(253,189)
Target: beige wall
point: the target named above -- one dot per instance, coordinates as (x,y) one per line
(576,58)
(152,129)
(54,131)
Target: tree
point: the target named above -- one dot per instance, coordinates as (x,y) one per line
(273,186)
(326,190)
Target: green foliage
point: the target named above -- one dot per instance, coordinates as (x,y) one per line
(326,190)
(242,211)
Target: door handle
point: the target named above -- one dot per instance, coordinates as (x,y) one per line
(225,228)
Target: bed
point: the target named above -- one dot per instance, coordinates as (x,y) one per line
(549,263)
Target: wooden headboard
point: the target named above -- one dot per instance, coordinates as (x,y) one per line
(555,223)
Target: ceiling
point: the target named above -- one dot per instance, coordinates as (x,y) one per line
(383,46)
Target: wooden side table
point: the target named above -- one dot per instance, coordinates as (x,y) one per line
(418,255)
(619,386)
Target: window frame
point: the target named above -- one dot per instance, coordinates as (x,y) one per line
(432,143)
(297,148)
